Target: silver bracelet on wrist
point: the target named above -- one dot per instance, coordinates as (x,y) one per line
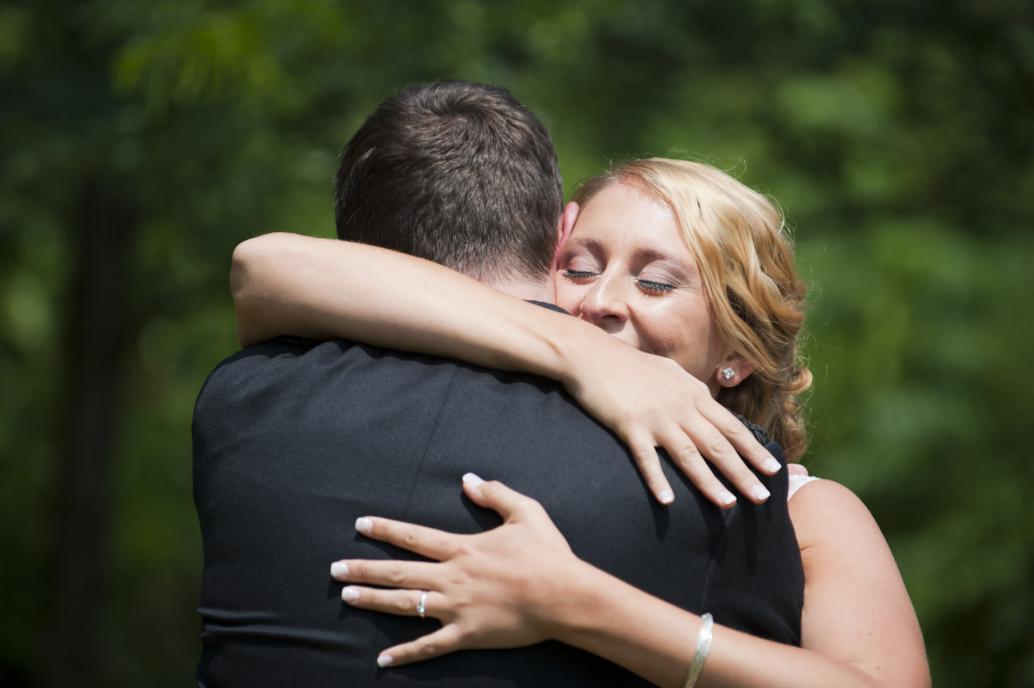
(703,649)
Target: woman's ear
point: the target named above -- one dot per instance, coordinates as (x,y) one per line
(565,225)
(733,370)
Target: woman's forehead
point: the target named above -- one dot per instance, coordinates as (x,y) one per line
(621,216)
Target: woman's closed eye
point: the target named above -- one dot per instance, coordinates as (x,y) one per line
(581,265)
(659,279)
(654,286)
(579,275)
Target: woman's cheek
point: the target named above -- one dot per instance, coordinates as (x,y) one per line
(665,330)
(569,296)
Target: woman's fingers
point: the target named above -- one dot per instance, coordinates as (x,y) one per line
(681,444)
(398,602)
(477,590)
(493,494)
(427,542)
(389,572)
(740,437)
(644,452)
(443,641)
(685,455)
(710,441)
(728,462)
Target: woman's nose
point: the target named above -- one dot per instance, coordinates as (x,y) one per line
(605,305)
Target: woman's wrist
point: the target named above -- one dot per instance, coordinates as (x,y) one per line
(604,615)
(563,602)
(576,344)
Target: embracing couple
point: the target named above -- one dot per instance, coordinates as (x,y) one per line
(436,462)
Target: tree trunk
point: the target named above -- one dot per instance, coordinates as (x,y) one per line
(101,223)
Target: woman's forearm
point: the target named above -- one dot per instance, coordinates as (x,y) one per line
(858,626)
(656,640)
(322,288)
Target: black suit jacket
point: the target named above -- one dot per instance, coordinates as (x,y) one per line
(294,440)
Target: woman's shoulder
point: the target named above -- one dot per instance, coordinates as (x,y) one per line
(825,511)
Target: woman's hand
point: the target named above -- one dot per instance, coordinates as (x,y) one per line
(650,401)
(496,589)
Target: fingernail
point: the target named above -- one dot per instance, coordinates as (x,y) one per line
(350,593)
(363,524)
(385,660)
(759,492)
(666,497)
(472,479)
(726,498)
(771,465)
(338,569)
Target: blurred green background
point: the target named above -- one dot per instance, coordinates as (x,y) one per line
(142,140)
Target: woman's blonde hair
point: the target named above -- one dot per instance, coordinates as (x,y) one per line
(746,261)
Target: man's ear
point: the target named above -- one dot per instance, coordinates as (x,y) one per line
(565,225)
(733,370)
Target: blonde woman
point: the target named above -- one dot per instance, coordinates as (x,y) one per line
(673,258)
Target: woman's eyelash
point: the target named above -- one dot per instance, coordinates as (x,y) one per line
(579,274)
(650,285)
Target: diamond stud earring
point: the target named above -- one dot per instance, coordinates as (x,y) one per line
(728,373)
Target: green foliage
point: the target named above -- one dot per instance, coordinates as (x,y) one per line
(899,138)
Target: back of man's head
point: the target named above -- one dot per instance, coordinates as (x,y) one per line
(455,172)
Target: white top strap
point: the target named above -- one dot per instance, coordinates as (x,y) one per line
(797,482)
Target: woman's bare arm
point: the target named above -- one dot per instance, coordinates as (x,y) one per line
(323,288)
(520,583)
(858,627)
(856,608)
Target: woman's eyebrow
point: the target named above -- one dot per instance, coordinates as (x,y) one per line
(641,255)
(650,255)
(592,245)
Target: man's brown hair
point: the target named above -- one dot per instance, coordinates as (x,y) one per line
(455,172)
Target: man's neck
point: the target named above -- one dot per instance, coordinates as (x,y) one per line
(528,290)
